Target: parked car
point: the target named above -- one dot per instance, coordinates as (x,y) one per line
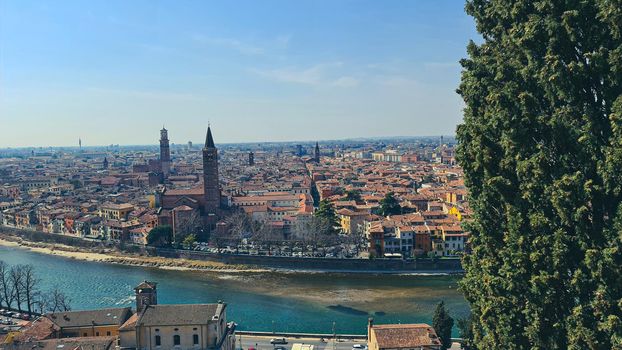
(278,341)
(359,347)
(280,348)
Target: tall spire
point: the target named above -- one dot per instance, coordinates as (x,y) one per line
(209,139)
(317,152)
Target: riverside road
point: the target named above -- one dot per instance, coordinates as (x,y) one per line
(263,343)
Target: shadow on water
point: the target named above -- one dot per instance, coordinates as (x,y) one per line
(347,310)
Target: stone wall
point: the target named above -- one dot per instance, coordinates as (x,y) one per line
(323,264)
(320,264)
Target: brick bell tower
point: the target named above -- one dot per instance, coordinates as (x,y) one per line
(146,294)
(211,189)
(165,153)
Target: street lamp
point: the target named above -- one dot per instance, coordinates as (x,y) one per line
(334,337)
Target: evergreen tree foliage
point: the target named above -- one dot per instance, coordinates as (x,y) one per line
(326,212)
(161,236)
(189,241)
(389,205)
(541,149)
(465,325)
(443,323)
(354,195)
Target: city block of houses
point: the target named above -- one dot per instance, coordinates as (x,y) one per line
(112,194)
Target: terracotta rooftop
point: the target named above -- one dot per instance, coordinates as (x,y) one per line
(400,336)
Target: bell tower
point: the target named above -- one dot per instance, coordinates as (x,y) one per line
(165,153)
(211,188)
(317,153)
(146,294)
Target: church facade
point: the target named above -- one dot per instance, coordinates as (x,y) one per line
(185,209)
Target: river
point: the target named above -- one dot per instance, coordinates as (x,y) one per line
(275,301)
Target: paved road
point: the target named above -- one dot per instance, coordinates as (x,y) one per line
(263,343)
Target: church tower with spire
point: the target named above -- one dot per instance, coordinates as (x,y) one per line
(211,189)
(317,153)
(165,153)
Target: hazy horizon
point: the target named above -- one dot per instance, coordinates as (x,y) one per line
(113,72)
(199,144)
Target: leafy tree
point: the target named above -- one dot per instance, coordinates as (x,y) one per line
(354,195)
(443,323)
(541,149)
(160,236)
(389,205)
(189,241)
(326,212)
(77,184)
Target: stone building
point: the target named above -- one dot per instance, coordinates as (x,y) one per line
(89,323)
(196,326)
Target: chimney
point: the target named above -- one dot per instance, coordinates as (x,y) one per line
(370,324)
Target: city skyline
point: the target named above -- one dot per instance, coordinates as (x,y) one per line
(197,144)
(272,73)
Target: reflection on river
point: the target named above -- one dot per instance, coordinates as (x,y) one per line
(288,302)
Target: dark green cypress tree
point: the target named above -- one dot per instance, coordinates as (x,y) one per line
(389,205)
(541,148)
(326,212)
(443,323)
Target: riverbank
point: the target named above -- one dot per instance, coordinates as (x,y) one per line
(286,301)
(113,256)
(179,259)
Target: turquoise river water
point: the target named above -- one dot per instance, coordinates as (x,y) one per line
(274,301)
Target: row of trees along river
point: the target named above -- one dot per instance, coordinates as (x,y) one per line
(20,290)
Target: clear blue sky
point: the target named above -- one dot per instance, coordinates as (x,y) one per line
(116,71)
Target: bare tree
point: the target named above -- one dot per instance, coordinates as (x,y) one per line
(29,285)
(242,226)
(268,235)
(6,287)
(16,276)
(187,224)
(53,301)
(311,231)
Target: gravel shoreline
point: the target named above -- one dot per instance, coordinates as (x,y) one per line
(112,256)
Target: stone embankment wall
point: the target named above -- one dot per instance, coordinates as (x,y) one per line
(322,264)
(319,264)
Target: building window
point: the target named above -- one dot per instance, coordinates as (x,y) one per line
(85,334)
(158,340)
(176,340)
(195,339)
(108,333)
(97,334)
